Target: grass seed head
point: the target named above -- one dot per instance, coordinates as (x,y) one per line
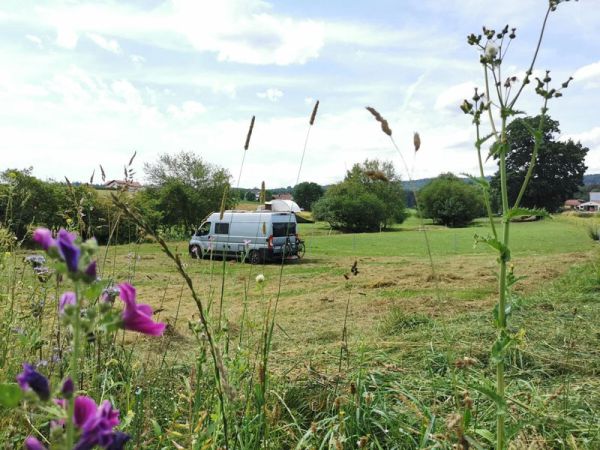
(314,113)
(249,135)
(379,118)
(417,141)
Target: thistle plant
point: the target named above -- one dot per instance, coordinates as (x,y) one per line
(497,106)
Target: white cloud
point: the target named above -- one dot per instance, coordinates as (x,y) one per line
(137,59)
(110,45)
(35,39)
(450,99)
(589,137)
(66,38)
(227,89)
(590,74)
(272,94)
(188,110)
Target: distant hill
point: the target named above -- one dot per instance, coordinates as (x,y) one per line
(591,179)
(588,180)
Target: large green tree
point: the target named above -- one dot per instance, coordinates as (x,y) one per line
(370,198)
(306,193)
(558,171)
(185,189)
(450,201)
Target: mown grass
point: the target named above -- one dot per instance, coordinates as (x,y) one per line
(399,382)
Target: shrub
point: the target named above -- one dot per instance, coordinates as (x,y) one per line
(450,201)
(350,208)
(370,198)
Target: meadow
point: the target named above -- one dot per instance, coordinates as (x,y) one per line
(384,356)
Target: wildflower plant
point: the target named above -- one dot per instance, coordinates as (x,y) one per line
(496,105)
(77,421)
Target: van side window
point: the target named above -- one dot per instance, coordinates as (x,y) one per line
(280,228)
(222,228)
(204,229)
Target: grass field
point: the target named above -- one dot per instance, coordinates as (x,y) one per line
(394,275)
(395,329)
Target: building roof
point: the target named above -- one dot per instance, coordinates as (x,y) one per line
(129,183)
(573,202)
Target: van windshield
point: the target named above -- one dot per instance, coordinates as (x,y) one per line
(279,229)
(204,229)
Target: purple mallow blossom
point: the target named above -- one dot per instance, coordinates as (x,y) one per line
(32,443)
(68,298)
(67,388)
(96,424)
(68,250)
(91,270)
(138,317)
(31,379)
(43,236)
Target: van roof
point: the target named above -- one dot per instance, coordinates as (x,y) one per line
(252,216)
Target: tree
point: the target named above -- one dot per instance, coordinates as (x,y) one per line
(186,189)
(558,171)
(450,201)
(370,198)
(306,193)
(27,201)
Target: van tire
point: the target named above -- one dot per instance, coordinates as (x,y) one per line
(254,257)
(196,252)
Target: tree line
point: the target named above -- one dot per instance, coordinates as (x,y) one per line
(182,189)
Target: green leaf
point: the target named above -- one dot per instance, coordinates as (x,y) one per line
(520,212)
(156,428)
(486,434)
(93,291)
(479,142)
(485,184)
(499,348)
(492,395)
(495,244)
(10,395)
(496,149)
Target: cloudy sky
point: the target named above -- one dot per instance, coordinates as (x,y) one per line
(87,83)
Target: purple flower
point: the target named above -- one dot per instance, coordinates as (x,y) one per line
(68,298)
(32,443)
(98,424)
(43,236)
(138,317)
(68,250)
(85,410)
(31,379)
(68,388)
(91,270)
(119,441)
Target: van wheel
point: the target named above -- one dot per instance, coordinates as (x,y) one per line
(196,252)
(254,257)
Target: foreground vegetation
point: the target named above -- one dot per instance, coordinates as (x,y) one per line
(388,358)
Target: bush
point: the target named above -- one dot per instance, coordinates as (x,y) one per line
(370,198)
(350,208)
(450,201)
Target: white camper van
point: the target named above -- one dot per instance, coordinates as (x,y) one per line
(257,235)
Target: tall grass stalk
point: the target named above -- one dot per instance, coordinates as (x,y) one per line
(417,143)
(216,359)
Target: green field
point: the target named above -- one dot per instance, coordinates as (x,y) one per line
(397,331)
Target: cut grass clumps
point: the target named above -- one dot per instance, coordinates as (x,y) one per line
(594,232)
(398,321)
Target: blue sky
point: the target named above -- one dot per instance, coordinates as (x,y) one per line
(86,83)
